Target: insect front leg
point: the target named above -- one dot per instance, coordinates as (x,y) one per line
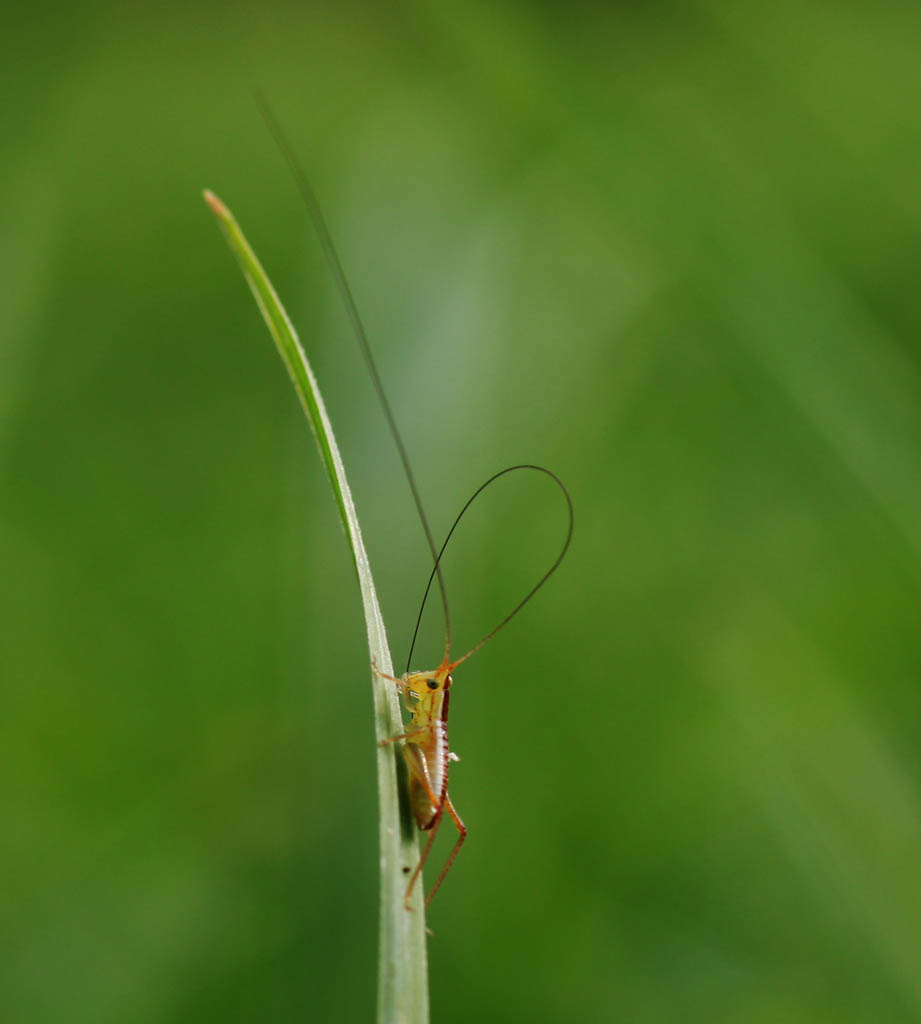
(401,683)
(383,675)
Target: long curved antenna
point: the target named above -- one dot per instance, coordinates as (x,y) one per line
(508,618)
(345,293)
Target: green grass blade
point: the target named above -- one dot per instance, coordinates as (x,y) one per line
(402,975)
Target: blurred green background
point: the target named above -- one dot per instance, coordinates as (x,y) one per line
(668,250)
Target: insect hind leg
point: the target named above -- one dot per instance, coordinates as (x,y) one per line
(417,871)
(461,836)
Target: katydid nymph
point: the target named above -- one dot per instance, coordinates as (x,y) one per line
(425,694)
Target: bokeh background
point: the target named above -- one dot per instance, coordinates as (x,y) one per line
(671,251)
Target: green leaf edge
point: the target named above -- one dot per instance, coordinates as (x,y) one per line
(402,967)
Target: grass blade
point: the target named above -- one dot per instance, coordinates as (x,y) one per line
(402,970)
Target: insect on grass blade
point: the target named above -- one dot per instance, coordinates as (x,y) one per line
(426,694)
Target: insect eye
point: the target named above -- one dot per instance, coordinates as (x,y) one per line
(433,684)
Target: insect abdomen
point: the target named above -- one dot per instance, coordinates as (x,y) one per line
(428,777)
